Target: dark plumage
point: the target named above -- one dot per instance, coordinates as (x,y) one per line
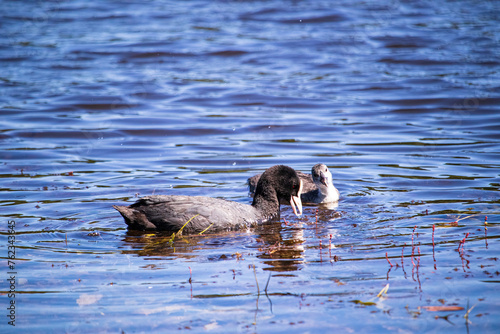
(169,213)
(317,187)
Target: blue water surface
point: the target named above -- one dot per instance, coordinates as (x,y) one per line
(103,102)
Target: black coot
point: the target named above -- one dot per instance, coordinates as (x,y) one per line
(169,213)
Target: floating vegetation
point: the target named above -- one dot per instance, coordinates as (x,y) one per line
(178,233)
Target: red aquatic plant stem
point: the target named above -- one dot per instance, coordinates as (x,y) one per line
(433,229)
(412,241)
(412,235)
(461,244)
(413,246)
(416,234)
(320,252)
(433,247)
(330,247)
(402,259)
(486,236)
(462,258)
(463,241)
(387,258)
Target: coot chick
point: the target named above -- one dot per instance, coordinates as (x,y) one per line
(169,213)
(317,187)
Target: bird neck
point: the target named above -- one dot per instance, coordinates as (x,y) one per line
(330,193)
(266,201)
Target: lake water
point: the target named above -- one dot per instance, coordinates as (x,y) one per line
(103,102)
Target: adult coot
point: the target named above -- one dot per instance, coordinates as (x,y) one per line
(170,213)
(318,187)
